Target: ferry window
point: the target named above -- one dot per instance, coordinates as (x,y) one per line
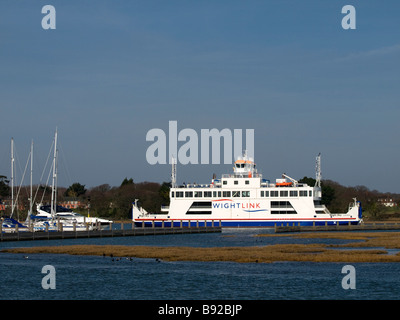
(310,193)
(303,193)
(198,194)
(262,193)
(235,193)
(247,182)
(235,182)
(224,182)
(293,193)
(188,194)
(179,194)
(172,194)
(274,204)
(207,194)
(281,204)
(284,194)
(219,193)
(267,193)
(226,193)
(200,204)
(214,194)
(283,212)
(198,212)
(245,193)
(274,193)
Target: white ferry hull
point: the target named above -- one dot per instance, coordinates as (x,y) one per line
(227,213)
(249,223)
(353,217)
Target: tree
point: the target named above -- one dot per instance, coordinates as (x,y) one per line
(307,180)
(75,190)
(126,181)
(375,209)
(164,192)
(328,193)
(4,188)
(101,200)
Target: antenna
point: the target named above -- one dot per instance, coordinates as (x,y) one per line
(173,172)
(318,171)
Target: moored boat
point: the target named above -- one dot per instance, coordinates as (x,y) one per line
(245,199)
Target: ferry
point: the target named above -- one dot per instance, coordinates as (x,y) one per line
(245,199)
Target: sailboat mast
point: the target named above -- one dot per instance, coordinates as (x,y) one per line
(31,198)
(12,176)
(53,187)
(56,184)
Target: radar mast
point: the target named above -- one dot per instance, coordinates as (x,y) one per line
(318,171)
(173,172)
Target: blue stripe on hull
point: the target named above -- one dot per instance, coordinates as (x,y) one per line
(236,224)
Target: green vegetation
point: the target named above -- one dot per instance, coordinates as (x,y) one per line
(373,209)
(337,198)
(105,201)
(328,193)
(4,188)
(75,190)
(116,202)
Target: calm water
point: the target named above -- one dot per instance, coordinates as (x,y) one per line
(88,277)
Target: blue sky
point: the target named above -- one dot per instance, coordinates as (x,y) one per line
(113,70)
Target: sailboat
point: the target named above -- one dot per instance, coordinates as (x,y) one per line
(32,223)
(66,214)
(53,216)
(51,221)
(9,224)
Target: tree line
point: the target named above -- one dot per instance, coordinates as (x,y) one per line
(337,198)
(115,202)
(103,201)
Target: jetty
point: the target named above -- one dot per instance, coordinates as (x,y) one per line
(342,227)
(115,230)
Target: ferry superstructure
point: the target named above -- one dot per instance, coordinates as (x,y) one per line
(244,199)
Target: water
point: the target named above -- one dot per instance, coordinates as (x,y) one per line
(92,277)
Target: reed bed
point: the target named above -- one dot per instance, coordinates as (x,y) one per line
(262,254)
(265,254)
(388,240)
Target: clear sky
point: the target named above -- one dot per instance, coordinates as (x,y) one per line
(113,70)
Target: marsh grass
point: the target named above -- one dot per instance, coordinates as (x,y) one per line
(266,254)
(388,240)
